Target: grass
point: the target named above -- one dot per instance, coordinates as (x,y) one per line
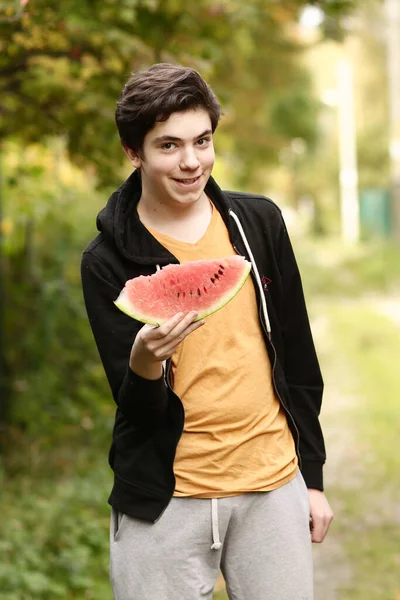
(371,343)
(220,596)
(369,522)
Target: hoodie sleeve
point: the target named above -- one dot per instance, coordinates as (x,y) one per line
(141,401)
(301,367)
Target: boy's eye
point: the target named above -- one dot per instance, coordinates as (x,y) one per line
(168,146)
(203,141)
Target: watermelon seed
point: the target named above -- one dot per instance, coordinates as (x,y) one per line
(212,279)
(178,294)
(216,275)
(222,267)
(205,289)
(183,294)
(198,291)
(220,272)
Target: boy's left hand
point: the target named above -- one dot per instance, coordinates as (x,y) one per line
(321,515)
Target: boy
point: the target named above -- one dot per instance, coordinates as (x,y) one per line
(211,452)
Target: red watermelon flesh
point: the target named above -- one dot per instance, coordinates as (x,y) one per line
(201,285)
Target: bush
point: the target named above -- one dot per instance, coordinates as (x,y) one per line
(54,537)
(56,387)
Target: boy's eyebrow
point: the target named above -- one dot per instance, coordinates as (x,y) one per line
(172,138)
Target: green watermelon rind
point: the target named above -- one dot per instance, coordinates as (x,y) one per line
(124,305)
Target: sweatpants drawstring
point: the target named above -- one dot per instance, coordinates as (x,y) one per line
(214,524)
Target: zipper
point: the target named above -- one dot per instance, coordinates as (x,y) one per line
(167,371)
(284,405)
(297,441)
(168,382)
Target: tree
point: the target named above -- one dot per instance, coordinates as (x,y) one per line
(62,66)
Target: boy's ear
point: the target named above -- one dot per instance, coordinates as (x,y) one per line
(133,157)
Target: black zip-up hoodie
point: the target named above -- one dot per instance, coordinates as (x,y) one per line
(150,416)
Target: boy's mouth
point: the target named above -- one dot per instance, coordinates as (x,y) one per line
(187,181)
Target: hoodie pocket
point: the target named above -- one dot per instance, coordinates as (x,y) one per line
(116,524)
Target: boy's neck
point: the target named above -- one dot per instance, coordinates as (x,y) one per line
(184,223)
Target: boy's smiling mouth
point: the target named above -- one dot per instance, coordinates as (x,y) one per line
(187,181)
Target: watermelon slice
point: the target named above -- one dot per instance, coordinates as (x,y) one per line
(201,285)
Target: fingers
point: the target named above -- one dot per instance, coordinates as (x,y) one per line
(153,345)
(321,515)
(172,328)
(319,526)
(167,350)
(160,342)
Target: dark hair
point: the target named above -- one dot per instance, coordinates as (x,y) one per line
(153,95)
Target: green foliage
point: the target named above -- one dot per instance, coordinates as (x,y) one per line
(286,109)
(62,67)
(266,94)
(56,386)
(54,537)
(54,533)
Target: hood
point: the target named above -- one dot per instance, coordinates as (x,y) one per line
(119,222)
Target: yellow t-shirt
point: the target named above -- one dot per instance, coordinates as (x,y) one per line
(236,438)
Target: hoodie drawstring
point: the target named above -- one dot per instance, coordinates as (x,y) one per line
(255,270)
(214,524)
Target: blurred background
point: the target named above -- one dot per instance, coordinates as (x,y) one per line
(311,96)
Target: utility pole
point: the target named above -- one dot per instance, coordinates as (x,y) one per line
(348,174)
(392,9)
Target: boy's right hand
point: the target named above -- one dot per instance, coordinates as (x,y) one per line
(154,344)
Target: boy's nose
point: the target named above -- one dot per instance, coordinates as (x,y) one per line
(189,160)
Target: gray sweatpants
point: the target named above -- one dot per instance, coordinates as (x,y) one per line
(261,542)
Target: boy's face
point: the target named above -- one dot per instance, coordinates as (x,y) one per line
(177,159)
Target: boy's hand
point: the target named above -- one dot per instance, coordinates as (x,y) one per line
(153,344)
(321,515)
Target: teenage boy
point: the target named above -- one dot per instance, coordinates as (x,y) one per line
(213,449)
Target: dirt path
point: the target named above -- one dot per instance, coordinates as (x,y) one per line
(331,566)
(344,468)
